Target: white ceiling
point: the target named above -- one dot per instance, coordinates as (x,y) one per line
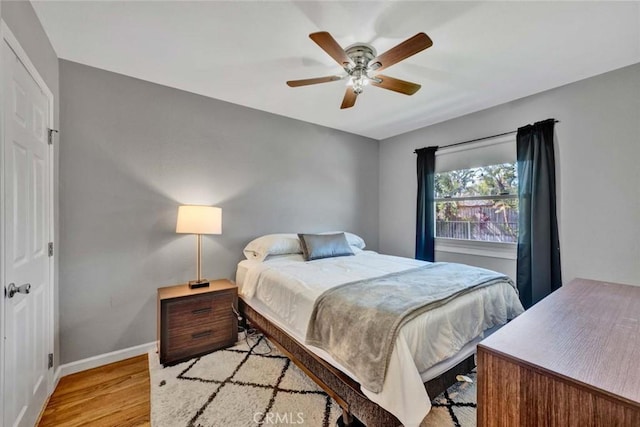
(484,54)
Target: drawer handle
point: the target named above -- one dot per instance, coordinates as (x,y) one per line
(201,334)
(201,310)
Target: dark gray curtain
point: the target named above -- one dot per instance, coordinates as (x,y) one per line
(538,267)
(425,212)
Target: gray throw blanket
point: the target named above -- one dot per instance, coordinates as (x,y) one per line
(357,323)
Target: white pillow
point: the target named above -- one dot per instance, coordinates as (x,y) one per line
(287,243)
(353,239)
(272,244)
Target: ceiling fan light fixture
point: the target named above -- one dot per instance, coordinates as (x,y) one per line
(358,83)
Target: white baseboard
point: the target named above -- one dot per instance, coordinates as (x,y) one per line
(56,378)
(102,359)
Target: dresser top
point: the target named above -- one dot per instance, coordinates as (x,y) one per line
(178,291)
(587,332)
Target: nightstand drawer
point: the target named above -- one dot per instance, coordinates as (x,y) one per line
(192,322)
(188,312)
(205,335)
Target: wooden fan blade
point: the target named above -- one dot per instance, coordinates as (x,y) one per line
(305,82)
(331,46)
(407,48)
(349,99)
(396,85)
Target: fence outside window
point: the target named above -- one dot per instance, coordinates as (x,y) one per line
(489,220)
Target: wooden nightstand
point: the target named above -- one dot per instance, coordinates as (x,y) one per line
(192,322)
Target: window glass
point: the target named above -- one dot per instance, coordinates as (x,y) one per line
(478,203)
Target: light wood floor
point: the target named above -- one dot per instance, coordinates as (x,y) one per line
(112,395)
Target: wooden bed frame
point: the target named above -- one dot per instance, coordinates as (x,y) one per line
(345,391)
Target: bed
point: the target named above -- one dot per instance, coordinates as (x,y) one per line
(279,290)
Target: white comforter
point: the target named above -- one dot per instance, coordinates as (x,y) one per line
(288,286)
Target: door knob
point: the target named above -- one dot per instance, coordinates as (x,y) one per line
(13,289)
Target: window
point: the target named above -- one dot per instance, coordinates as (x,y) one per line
(478,203)
(476,198)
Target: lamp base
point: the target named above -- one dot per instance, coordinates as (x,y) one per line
(194,284)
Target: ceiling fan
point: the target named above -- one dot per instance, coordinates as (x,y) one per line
(358,60)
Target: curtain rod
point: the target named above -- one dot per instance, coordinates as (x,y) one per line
(481,139)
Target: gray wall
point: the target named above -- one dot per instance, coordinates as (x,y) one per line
(503,265)
(132,151)
(25,25)
(598,150)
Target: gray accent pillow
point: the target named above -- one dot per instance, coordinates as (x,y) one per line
(317,246)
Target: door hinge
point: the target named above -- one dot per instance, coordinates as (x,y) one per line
(50,361)
(50,249)
(50,137)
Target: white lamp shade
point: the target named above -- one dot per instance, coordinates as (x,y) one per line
(199,220)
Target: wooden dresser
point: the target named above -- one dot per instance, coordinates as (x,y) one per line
(192,322)
(573,359)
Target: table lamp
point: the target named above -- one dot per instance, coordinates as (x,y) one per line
(199,220)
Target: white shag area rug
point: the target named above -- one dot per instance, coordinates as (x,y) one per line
(253,384)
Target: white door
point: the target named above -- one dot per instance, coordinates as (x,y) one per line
(26,235)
